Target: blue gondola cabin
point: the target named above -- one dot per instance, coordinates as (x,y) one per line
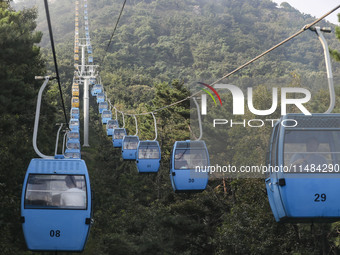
(148,157)
(187,160)
(303,184)
(56,206)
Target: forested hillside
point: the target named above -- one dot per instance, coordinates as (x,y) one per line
(160,50)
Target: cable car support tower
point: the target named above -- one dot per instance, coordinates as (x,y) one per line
(85,73)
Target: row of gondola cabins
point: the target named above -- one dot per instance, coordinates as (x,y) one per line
(185,156)
(87,35)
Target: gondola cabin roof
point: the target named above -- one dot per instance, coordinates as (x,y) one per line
(148,143)
(315,121)
(57,166)
(190,144)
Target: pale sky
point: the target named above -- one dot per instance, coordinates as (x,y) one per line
(316,8)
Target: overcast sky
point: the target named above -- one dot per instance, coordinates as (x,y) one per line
(316,8)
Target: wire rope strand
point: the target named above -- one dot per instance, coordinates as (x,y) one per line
(114,30)
(55,59)
(306,27)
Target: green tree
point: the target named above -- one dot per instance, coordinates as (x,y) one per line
(20,61)
(334,53)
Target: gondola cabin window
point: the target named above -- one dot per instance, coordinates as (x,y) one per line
(73,135)
(51,191)
(150,152)
(130,144)
(119,134)
(112,124)
(75,111)
(74,122)
(312,151)
(73,144)
(106,114)
(190,159)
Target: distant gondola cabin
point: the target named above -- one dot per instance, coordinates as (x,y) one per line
(75,102)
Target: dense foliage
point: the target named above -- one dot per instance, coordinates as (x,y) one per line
(161,48)
(20,61)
